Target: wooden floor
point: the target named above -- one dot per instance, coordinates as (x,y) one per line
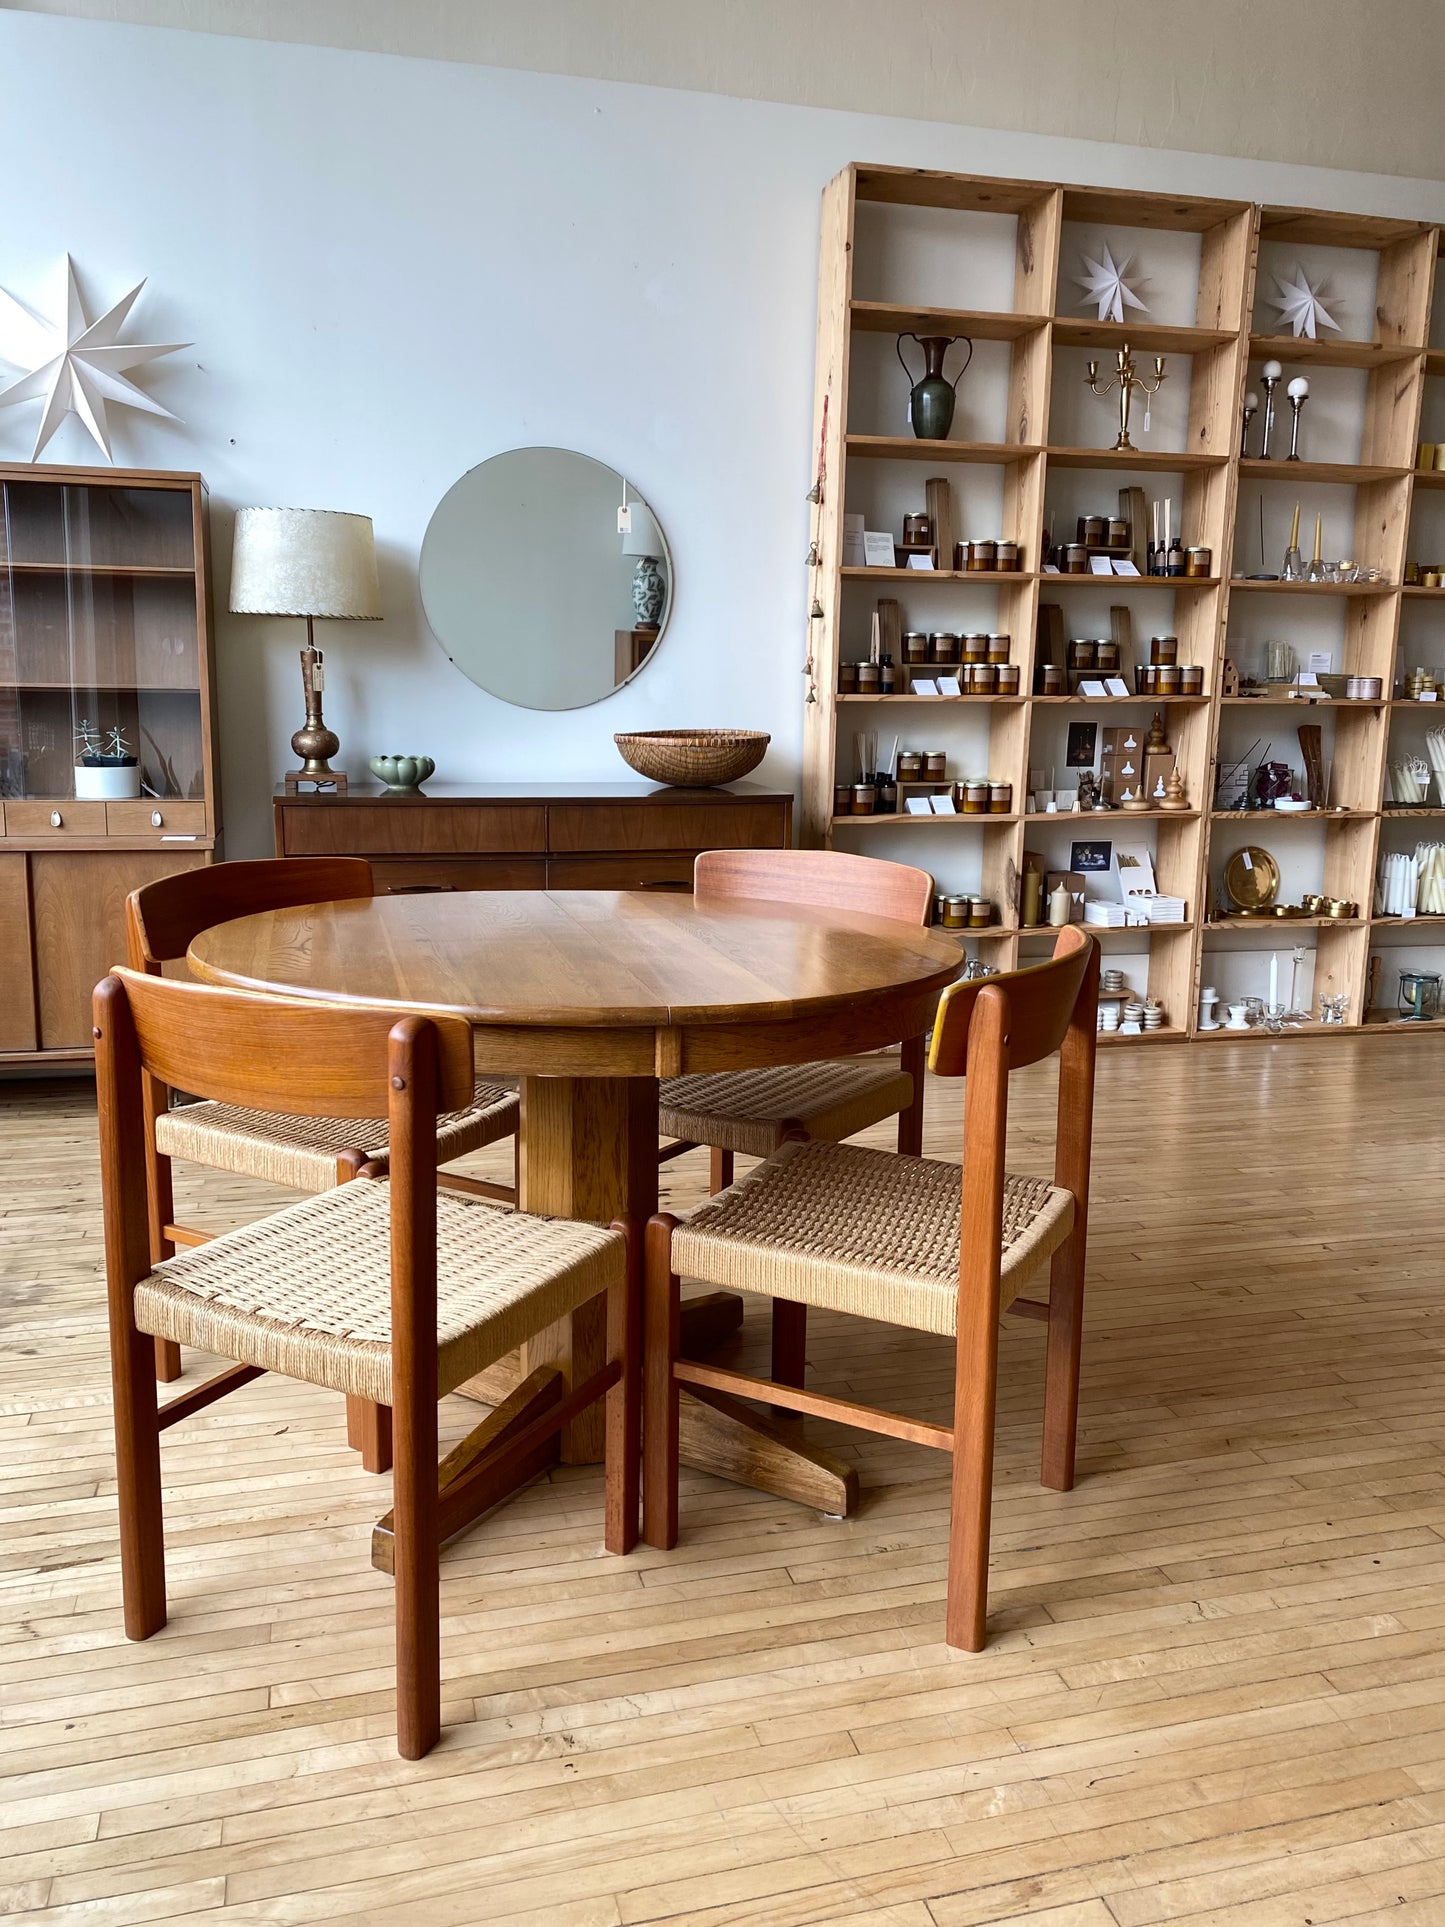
(1215,1692)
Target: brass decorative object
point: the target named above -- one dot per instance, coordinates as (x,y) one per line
(1251,879)
(1126,380)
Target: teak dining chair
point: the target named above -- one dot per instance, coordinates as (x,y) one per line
(306,1153)
(753,1111)
(389,1291)
(913,1242)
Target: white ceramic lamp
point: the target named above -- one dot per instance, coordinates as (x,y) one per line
(307,562)
(649,586)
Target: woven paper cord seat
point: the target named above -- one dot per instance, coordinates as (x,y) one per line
(861,1231)
(746,1110)
(307,1292)
(301,1151)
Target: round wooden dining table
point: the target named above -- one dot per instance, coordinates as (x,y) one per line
(589,998)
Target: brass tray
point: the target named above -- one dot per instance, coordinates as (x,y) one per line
(1251,879)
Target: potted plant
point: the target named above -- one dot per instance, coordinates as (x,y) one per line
(107,771)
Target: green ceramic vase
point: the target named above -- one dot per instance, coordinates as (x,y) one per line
(932,397)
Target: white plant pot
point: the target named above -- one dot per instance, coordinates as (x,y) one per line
(113,785)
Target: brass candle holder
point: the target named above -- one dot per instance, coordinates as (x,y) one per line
(1126,380)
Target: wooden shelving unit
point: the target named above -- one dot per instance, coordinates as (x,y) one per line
(913,251)
(104,619)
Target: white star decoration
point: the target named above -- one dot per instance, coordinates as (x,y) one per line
(77,368)
(1299,304)
(1105,284)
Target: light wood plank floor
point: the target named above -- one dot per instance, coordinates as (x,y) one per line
(1215,1694)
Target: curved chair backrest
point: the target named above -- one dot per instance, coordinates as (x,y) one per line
(277,1054)
(826,879)
(162,918)
(1042,1002)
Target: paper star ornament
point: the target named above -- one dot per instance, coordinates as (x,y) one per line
(77,367)
(1299,304)
(1104,282)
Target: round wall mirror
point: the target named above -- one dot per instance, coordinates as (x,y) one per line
(535,585)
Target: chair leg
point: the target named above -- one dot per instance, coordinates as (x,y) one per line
(1061,1381)
(368,1431)
(418,1579)
(790,1343)
(168,1360)
(624,1399)
(975,1395)
(720,1170)
(661,1318)
(913,1059)
(138,1484)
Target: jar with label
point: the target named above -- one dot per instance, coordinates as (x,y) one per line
(935,766)
(847,678)
(1006,679)
(868,678)
(1051,680)
(865,799)
(955,913)
(980,913)
(1192,679)
(1075,559)
(998,649)
(975,648)
(1118,533)
(1094,530)
(975,798)
(982,557)
(1000,798)
(1198,562)
(1164,649)
(843,799)
(1106,657)
(917,531)
(915,648)
(910,766)
(982,679)
(1171,679)
(887,796)
(1081,653)
(1007,558)
(943,647)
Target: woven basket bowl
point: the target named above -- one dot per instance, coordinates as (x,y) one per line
(693,758)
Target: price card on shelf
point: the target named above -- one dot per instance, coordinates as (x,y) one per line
(1116,685)
(1100,565)
(917,806)
(942,806)
(1091,686)
(1125,568)
(925,686)
(877,549)
(949,686)
(920,561)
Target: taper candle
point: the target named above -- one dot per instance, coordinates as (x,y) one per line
(1319,535)
(1294,529)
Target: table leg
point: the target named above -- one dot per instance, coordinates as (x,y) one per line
(589,1150)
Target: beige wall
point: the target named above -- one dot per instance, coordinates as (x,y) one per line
(1332,83)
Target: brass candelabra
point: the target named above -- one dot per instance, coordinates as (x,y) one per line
(1126,380)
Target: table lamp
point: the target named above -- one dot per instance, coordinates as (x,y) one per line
(307,562)
(649,587)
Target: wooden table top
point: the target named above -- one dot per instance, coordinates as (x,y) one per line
(593,961)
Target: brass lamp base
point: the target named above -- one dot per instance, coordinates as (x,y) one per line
(314,743)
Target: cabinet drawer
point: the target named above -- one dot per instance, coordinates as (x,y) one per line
(666,826)
(669,871)
(407,876)
(33,818)
(139,818)
(412,829)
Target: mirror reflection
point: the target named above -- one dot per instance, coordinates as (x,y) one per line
(546,578)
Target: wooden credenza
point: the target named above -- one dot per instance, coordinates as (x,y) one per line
(533,836)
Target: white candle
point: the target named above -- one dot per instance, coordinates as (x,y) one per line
(1274,980)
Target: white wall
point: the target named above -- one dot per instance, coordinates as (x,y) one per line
(393,268)
(1336,83)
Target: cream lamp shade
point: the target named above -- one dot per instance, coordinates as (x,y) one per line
(304,562)
(644,537)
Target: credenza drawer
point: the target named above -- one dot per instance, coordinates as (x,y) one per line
(413,829)
(147,817)
(64,817)
(665,826)
(646,872)
(396,876)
